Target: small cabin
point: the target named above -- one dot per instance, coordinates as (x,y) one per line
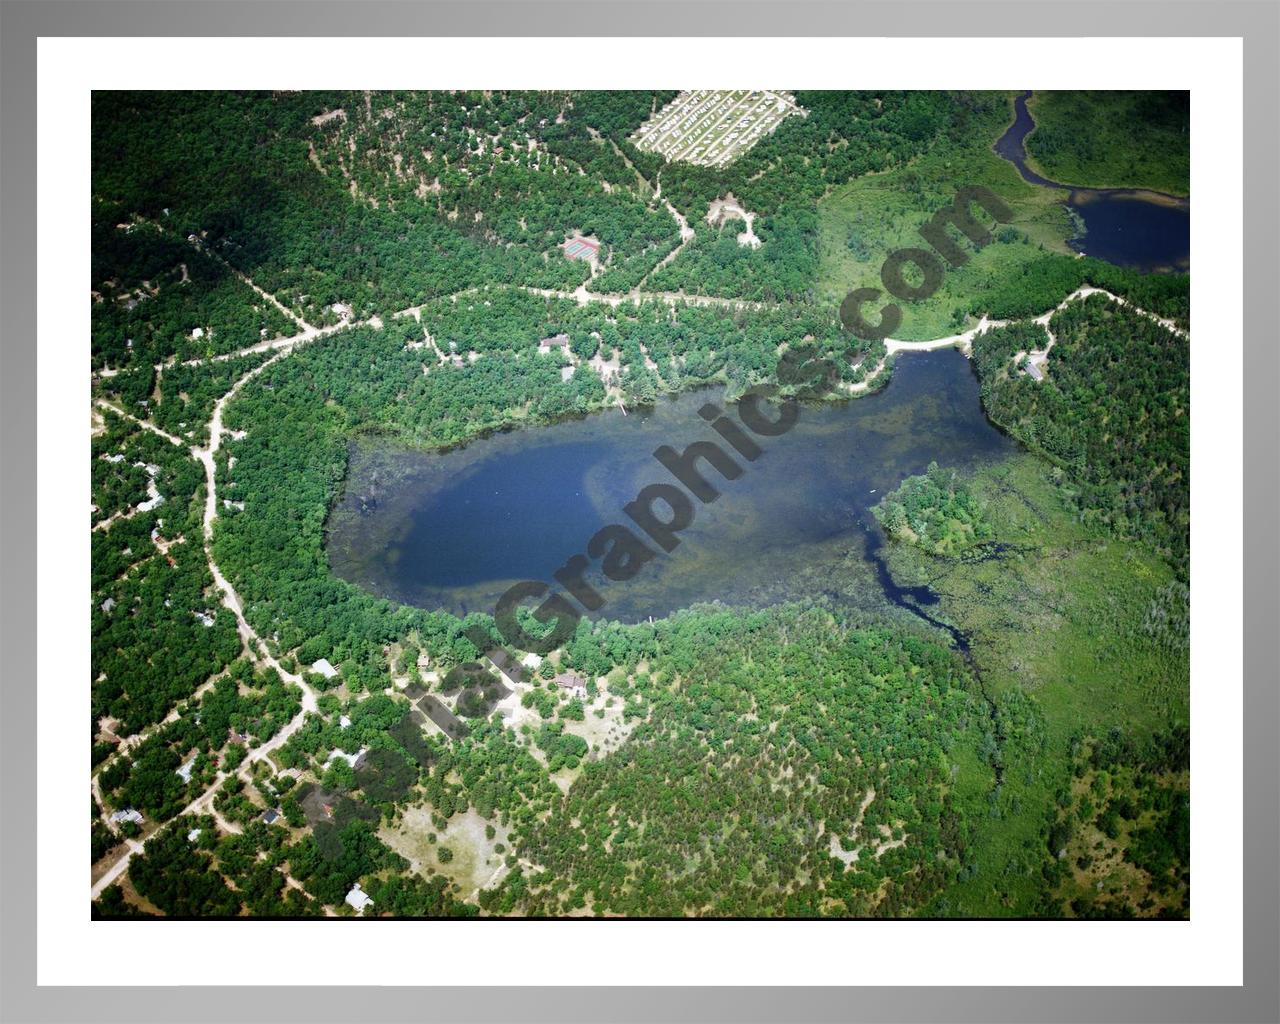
(572,683)
(560,341)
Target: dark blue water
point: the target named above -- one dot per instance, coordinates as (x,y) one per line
(453,530)
(1128,227)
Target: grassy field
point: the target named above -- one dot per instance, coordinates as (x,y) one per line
(1133,140)
(1057,617)
(865,220)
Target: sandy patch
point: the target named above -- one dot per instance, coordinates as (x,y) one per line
(608,730)
(728,208)
(608,371)
(329,115)
(851,856)
(476,864)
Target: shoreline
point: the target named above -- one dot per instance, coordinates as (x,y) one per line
(1144,193)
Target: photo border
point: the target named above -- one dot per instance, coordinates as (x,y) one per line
(23,22)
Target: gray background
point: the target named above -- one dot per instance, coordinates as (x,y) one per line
(21,23)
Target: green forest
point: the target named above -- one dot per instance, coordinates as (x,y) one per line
(1135,139)
(936,512)
(277,277)
(1114,412)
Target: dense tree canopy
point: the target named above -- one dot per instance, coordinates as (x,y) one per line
(814,759)
(1114,410)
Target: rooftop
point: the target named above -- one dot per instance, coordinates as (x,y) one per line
(324,668)
(358,898)
(354,760)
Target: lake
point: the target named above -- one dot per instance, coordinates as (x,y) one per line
(452,530)
(1129,227)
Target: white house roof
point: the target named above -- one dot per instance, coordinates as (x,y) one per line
(128,814)
(358,898)
(193,835)
(185,770)
(343,722)
(351,759)
(324,668)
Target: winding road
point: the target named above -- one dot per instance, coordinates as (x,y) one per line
(254,645)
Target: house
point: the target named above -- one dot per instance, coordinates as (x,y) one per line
(355,760)
(107,605)
(185,771)
(151,503)
(324,668)
(270,815)
(1033,371)
(560,341)
(572,683)
(358,898)
(344,722)
(129,814)
(193,835)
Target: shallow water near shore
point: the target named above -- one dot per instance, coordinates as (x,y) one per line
(1129,227)
(452,530)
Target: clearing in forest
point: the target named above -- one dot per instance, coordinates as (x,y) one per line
(713,127)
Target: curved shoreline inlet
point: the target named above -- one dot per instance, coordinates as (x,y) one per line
(1130,227)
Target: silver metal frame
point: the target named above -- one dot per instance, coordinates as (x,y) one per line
(1258,23)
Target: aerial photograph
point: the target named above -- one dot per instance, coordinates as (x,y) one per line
(705,504)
